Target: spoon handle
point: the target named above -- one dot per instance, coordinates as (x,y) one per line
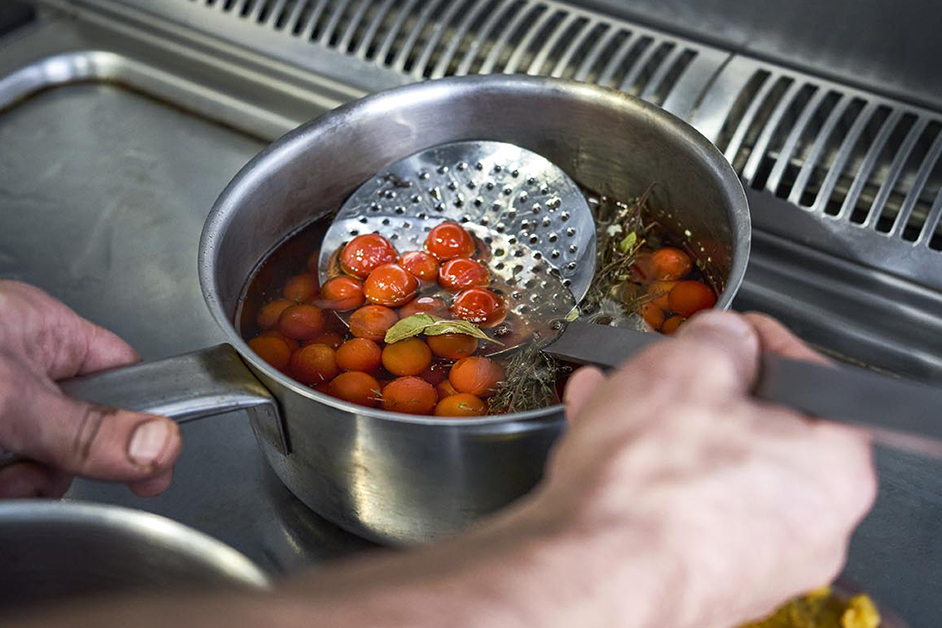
(899,413)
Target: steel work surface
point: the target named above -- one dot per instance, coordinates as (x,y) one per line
(102,196)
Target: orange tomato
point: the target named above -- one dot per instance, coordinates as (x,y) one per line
(365,253)
(659,290)
(268,314)
(330,338)
(670,325)
(461,404)
(356,387)
(426,305)
(301,287)
(477,376)
(301,321)
(273,350)
(359,354)
(407,357)
(445,389)
(411,395)
(653,315)
(453,346)
(462,273)
(420,264)
(689,297)
(480,306)
(274,333)
(670,264)
(449,240)
(372,321)
(390,285)
(342,294)
(314,364)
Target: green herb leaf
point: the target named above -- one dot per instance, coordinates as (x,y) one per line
(573,314)
(432,326)
(628,242)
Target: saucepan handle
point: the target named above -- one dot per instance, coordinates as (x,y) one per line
(901,414)
(187,387)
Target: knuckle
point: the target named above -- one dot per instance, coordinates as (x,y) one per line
(88,429)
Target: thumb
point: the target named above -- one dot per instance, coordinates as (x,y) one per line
(90,440)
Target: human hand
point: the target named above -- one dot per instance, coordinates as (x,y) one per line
(731,505)
(41,341)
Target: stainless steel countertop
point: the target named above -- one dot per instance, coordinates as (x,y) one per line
(103,192)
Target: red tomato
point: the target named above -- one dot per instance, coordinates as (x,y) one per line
(449,240)
(435,374)
(366,252)
(689,297)
(482,307)
(314,364)
(301,287)
(477,376)
(356,387)
(412,395)
(330,338)
(420,264)
(670,325)
(426,305)
(670,264)
(274,333)
(301,321)
(359,354)
(372,321)
(461,404)
(390,285)
(462,273)
(453,346)
(273,350)
(268,314)
(342,294)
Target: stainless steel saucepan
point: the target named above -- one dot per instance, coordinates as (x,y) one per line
(393,477)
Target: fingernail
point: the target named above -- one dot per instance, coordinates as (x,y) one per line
(147,441)
(724,323)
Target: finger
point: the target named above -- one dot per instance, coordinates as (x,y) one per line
(152,486)
(85,439)
(105,350)
(31,479)
(579,389)
(776,338)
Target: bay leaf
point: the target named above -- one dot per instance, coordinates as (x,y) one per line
(433,326)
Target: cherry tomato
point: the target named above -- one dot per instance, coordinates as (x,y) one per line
(314,364)
(670,325)
(268,314)
(477,376)
(301,321)
(372,321)
(359,354)
(653,315)
(273,350)
(342,294)
(453,346)
(480,306)
(411,395)
(301,287)
(330,338)
(461,404)
(365,253)
(390,285)
(356,387)
(312,262)
(425,305)
(420,264)
(659,290)
(670,264)
(642,270)
(445,389)
(274,333)
(435,374)
(407,357)
(689,297)
(449,240)
(462,273)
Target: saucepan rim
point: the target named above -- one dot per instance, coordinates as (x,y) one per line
(385,102)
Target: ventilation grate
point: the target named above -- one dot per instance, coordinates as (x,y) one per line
(868,162)
(427,39)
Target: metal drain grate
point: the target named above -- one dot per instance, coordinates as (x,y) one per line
(425,39)
(855,160)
